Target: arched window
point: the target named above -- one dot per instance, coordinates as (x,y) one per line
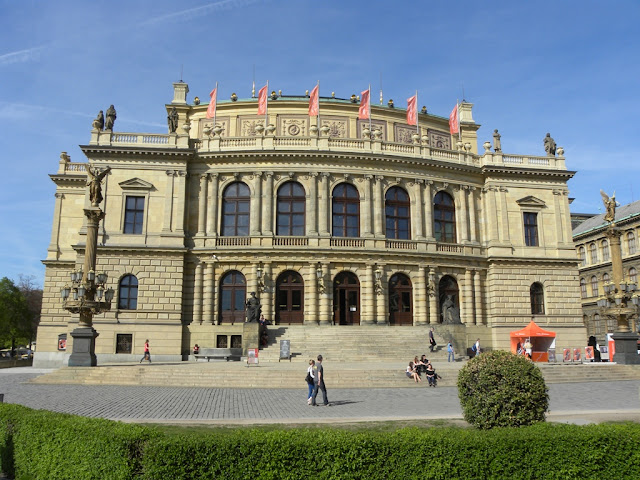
(128,293)
(233,295)
(594,253)
(633,275)
(583,288)
(605,279)
(631,243)
(605,251)
(235,210)
(444,218)
(397,207)
(582,256)
(594,286)
(291,210)
(346,211)
(537,299)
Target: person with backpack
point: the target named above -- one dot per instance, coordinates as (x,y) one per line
(450,356)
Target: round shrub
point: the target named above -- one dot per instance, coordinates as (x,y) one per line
(500,389)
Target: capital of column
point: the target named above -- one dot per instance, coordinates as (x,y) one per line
(171,173)
(59,195)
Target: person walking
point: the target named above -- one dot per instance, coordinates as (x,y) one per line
(318,382)
(432,340)
(476,347)
(310,380)
(450,356)
(147,352)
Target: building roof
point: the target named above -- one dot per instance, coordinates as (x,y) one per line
(622,213)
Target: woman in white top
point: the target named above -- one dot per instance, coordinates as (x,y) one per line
(412,373)
(310,373)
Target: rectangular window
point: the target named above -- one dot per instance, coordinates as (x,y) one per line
(531,229)
(134,215)
(124,342)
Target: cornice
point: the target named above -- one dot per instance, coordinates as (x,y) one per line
(118,150)
(513,171)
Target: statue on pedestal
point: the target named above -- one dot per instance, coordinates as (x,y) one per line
(94,180)
(549,145)
(98,123)
(111,118)
(497,147)
(253,308)
(172,120)
(610,204)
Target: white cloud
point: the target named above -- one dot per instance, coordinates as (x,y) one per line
(198,12)
(21,56)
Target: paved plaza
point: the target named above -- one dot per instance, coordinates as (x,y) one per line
(570,402)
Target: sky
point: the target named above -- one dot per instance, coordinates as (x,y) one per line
(570,68)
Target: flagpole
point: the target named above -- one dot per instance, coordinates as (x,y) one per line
(417,118)
(266,108)
(318,119)
(459,126)
(215,109)
(370,108)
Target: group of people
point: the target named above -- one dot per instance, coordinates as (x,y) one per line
(525,349)
(419,366)
(315,382)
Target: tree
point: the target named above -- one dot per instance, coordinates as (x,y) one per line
(15,318)
(33,296)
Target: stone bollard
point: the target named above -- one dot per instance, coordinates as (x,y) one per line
(1,397)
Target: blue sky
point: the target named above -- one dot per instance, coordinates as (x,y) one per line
(570,68)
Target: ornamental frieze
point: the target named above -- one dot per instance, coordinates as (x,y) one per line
(247,125)
(293,126)
(439,139)
(207,123)
(338,126)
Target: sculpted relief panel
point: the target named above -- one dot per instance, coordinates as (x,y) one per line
(338,126)
(247,125)
(403,133)
(439,139)
(379,125)
(293,126)
(222,122)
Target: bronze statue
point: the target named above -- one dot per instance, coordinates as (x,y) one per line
(172,120)
(99,121)
(111,118)
(95,189)
(549,145)
(610,204)
(253,308)
(497,147)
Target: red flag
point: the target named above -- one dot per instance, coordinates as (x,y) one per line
(363,111)
(454,125)
(211,110)
(314,106)
(262,100)
(412,110)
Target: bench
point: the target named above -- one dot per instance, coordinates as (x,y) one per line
(219,353)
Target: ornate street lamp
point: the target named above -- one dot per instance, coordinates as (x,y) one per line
(88,295)
(619,301)
(378,285)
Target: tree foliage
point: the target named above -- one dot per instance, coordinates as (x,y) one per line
(15,317)
(500,389)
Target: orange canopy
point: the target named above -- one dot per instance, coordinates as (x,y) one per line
(539,338)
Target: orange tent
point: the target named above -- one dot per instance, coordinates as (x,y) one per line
(539,338)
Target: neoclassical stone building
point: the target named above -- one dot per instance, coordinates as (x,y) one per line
(333,224)
(593,249)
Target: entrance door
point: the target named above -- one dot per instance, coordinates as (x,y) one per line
(290,294)
(233,294)
(400,304)
(346,299)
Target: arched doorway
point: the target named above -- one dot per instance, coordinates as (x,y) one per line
(233,296)
(400,304)
(289,295)
(346,299)
(449,300)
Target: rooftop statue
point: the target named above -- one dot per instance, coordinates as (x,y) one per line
(111,118)
(610,204)
(172,120)
(95,189)
(497,147)
(549,145)
(99,121)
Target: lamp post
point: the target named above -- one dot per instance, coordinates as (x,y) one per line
(87,294)
(619,300)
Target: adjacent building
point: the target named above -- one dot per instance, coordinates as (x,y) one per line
(334,221)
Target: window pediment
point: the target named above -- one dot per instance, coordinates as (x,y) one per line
(136,184)
(531,202)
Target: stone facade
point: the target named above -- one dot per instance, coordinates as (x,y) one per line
(594,256)
(331,226)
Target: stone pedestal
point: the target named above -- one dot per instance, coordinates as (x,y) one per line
(84,347)
(626,348)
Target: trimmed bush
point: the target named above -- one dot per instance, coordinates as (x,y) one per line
(500,389)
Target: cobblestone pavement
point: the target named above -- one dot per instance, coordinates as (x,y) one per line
(570,402)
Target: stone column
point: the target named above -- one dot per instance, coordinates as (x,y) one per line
(54,247)
(419,223)
(420,298)
(382,314)
(478,297)
(366,210)
(311,299)
(256,207)
(428,211)
(270,285)
(325,298)
(212,211)
(557,198)
(473,237)
(492,230)
(202,203)
(208,287)
(378,208)
(267,205)
(323,207)
(168,202)
(468,298)
(368,296)
(180,201)
(462,219)
(433,297)
(312,205)
(504,214)
(197,293)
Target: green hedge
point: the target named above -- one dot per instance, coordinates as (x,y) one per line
(46,445)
